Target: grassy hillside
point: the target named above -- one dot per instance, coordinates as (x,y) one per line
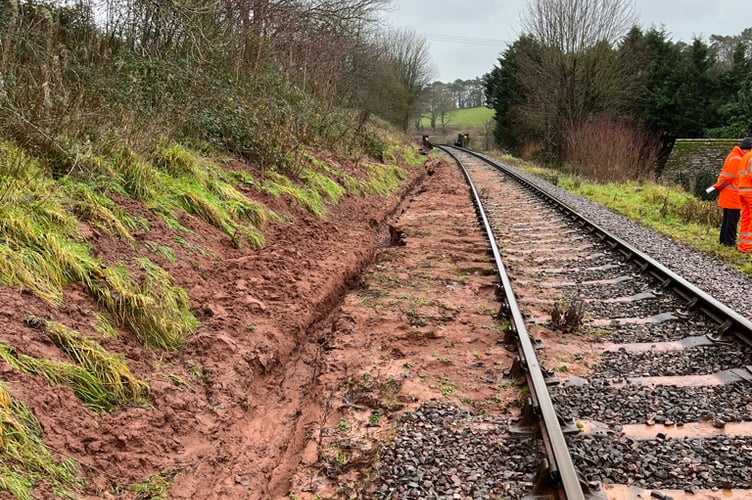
(471,121)
(110,233)
(470,117)
(125,155)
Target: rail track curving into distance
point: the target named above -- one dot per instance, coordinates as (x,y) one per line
(639,382)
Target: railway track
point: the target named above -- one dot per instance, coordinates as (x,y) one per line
(639,383)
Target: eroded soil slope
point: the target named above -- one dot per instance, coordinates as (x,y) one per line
(230,411)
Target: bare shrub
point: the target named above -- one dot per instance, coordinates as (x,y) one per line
(530,150)
(571,71)
(606,150)
(255,77)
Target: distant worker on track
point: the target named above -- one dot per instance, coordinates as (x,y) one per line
(745,196)
(727,186)
(463,140)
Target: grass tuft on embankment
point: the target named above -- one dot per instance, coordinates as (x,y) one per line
(26,459)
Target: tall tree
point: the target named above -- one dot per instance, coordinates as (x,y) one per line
(735,107)
(506,94)
(726,46)
(438,105)
(699,90)
(409,56)
(468,93)
(576,72)
(677,86)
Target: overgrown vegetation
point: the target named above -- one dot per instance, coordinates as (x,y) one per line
(184,110)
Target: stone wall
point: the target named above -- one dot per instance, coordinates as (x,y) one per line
(696,160)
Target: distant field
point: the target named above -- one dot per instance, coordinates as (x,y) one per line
(471,117)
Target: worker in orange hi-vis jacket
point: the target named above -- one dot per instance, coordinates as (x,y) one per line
(728,192)
(745,200)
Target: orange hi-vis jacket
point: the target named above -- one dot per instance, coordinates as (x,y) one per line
(727,185)
(744,174)
(744,180)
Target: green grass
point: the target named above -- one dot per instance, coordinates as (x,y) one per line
(39,244)
(309,199)
(323,184)
(383,179)
(99,211)
(120,385)
(202,188)
(469,117)
(155,310)
(101,380)
(319,184)
(154,487)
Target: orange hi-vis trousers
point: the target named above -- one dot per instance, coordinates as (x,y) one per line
(744,181)
(745,223)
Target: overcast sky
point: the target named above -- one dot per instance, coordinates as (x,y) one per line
(466,36)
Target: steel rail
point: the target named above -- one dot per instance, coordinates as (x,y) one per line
(562,469)
(728,320)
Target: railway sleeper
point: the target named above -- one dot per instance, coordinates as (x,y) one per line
(529,421)
(547,485)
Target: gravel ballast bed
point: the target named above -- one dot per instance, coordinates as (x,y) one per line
(639,404)
(633,309)
(683,464)
(443,451)
(727,285)
(666,331)
(595,290)
(700,359)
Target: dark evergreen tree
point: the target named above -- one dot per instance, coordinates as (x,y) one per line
(734,105)
(506,96)
(657,105)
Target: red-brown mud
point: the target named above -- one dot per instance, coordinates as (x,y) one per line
(229,410)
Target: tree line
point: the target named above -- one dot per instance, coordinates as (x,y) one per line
(584,86)
(257,78)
